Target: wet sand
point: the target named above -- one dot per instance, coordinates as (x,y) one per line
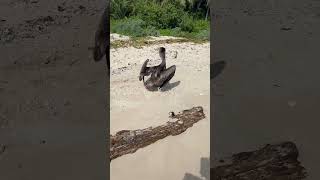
(52,94)
(269,90)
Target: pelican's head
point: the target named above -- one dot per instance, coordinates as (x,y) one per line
(162,52)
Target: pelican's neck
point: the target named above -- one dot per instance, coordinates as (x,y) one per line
(163,59)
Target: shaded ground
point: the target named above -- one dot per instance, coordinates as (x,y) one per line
(52,95)
(268,91)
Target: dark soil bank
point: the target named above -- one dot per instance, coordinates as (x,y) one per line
(52,94)
(268,91)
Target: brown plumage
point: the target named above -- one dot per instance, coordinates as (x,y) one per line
(160,76)
(102,38)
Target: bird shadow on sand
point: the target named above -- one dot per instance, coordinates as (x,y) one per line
(170,86)
(204,171)
(217,68)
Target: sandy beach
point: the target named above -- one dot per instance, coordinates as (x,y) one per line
(133,107)
(268,91)
(52,93)
(53,102)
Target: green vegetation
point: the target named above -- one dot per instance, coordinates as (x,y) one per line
(179,18)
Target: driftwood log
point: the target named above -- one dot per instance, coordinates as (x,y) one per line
(272,162)
(129,141)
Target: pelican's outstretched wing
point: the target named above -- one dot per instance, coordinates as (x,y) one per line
(143,70)
(146,71)
(166,76)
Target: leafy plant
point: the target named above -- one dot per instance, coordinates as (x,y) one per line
(180,18)
(120,8)
(161,16)
(133,27)
(187,24)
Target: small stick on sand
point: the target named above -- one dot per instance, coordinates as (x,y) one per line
(129,141)
(274,162)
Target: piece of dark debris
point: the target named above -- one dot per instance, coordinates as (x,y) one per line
(73,62)
(171,114)
(286,28)
(2,148)
(92,82)
(60,8)
(82,7)
(19,165)
(175,54)
(67,103)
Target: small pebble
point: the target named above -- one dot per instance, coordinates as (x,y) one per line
(292,103)
(81,7)
(67,103)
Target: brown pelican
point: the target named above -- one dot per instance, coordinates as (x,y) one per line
(101,43)
(160,76)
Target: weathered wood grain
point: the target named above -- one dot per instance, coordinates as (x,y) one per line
(129,141)
(272,162)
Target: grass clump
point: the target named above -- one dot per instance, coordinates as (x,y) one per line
(134,27)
